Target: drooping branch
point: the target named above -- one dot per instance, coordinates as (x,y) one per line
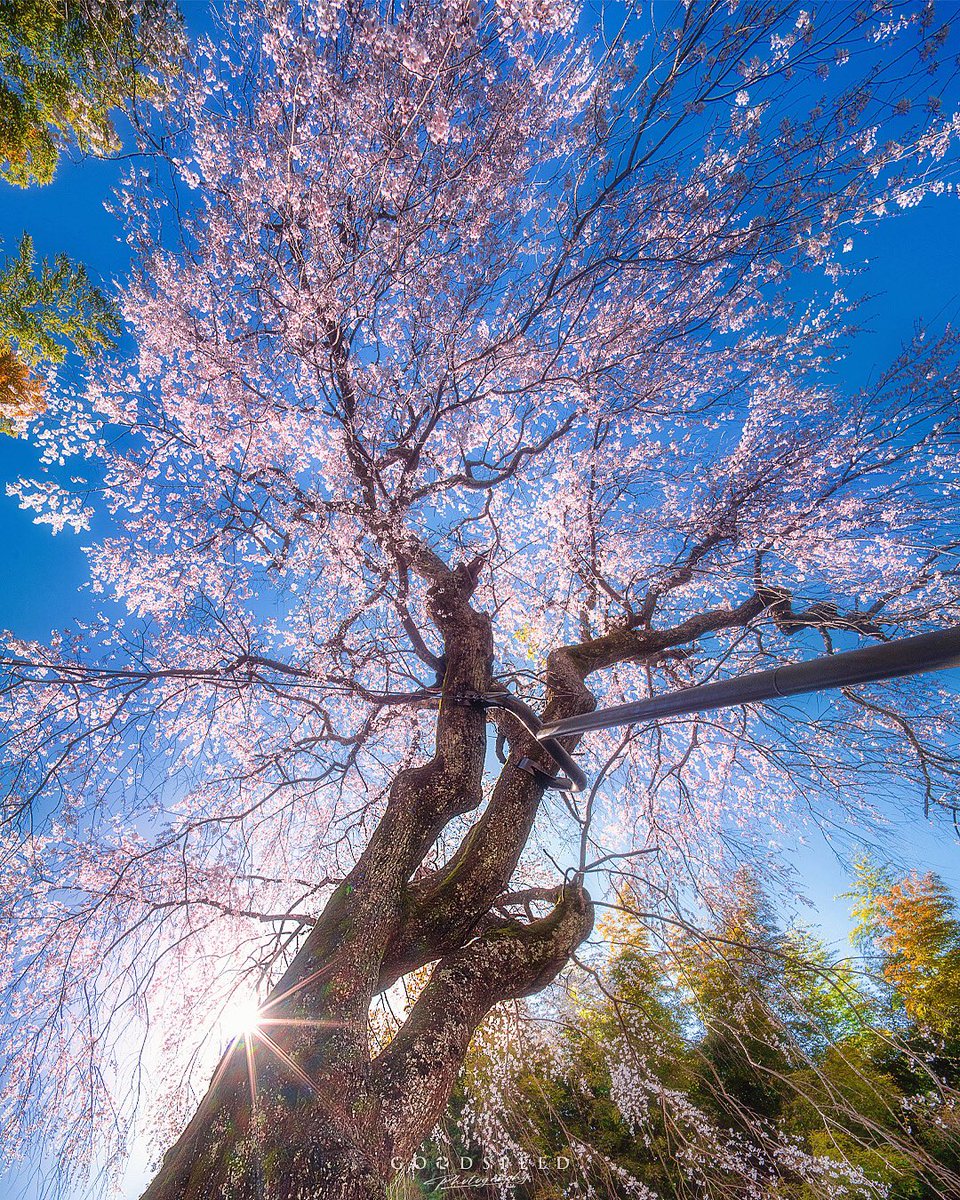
(454,284)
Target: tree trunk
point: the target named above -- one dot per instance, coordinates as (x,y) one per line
(301,1108)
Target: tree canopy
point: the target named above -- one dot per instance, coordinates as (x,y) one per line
(66,68)
(43,313)
(487,368)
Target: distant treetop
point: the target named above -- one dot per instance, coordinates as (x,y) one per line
(66,67)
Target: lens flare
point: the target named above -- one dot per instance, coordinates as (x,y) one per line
(241,1019)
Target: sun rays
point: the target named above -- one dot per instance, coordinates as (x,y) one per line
(247,1025)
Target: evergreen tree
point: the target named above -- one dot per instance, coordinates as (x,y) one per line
(734,981)
(760,1064)
(44,310)
(66,67)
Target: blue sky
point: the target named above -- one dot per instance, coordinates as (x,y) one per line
(43,579)
(912,274)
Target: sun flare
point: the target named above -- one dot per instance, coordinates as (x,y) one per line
(242,1018)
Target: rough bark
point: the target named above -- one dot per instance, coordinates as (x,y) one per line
(303,1108)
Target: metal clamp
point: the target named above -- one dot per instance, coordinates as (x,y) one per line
(574,781)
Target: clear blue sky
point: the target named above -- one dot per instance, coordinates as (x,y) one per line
(913,274)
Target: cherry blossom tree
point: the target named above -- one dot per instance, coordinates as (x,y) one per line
(488,367)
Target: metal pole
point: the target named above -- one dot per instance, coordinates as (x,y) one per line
(907,656)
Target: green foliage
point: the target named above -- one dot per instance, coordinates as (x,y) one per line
(746,1038)
(830,1002)
(65,67)
(871,880)
(44,309)
(733,978)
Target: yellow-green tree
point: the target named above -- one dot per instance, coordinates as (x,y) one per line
(745,1060)
(66,68)
(44,309)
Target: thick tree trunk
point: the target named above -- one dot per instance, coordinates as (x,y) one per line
(329,1119)
(281,1121)
(302,1109)
(295,1156)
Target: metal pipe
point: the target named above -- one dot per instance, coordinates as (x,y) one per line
(890,660)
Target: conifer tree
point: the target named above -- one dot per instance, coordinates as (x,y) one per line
(733,1041)
(66,66)
(44,309)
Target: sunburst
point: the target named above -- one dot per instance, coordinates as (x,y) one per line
(247,1024)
